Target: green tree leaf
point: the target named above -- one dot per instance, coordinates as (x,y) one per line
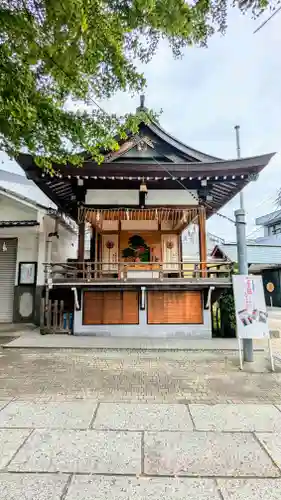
(53,52)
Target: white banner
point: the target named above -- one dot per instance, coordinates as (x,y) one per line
(250,308)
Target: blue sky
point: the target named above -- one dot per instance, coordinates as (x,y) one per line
(236,80)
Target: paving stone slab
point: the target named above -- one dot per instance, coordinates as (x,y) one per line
(160,417)
(250,489)
(206,454)
(124,488)
(32,486)
(59,415)
(272,443)
(10,441)
(238,417)
(80,451)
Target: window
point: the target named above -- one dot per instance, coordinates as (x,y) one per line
(276,229)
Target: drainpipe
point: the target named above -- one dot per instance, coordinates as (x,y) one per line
(76,301)
(49,259)
(208,303)
(142,304)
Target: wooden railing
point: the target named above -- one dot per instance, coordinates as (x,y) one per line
(66,272)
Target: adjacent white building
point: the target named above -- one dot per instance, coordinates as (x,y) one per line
(31,232)
(271,224)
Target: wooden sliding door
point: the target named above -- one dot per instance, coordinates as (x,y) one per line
(174,307)
(111,308)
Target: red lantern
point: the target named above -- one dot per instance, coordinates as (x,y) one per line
(109,244)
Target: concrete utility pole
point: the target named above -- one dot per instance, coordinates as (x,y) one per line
(240,219)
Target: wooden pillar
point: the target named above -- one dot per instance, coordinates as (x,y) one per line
(80,195)
(93,245)
(81,241)
(202,243)
(181,274)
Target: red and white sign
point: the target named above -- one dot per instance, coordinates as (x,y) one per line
(250,308)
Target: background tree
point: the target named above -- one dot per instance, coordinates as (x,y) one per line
(54,51)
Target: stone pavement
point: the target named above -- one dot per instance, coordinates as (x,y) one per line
(134,376)
(88,450)
(137,425)
(33,340)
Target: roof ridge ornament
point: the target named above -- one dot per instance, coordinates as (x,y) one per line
(142,107)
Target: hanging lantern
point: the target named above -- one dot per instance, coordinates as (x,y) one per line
(4,247)
(109,244)
(143,187)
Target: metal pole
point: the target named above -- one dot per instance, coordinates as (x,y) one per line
(240,219)
(238,149)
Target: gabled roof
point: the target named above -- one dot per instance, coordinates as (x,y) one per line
(164,162)
(25,191)
(256,253)
(190,154)
(159,144)
(13,178)
(180,146)
(23,199)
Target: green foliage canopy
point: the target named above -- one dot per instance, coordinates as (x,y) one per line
(53,52)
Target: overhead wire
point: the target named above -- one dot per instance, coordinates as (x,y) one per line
(263,202)
(267,20)
(214,212)
(275,215)
(254,231)
(205,203)
(184,187)
(169,173)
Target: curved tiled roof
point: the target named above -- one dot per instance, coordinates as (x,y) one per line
(165,162)
(197,155)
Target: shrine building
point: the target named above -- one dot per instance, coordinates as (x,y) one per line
(136,205)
